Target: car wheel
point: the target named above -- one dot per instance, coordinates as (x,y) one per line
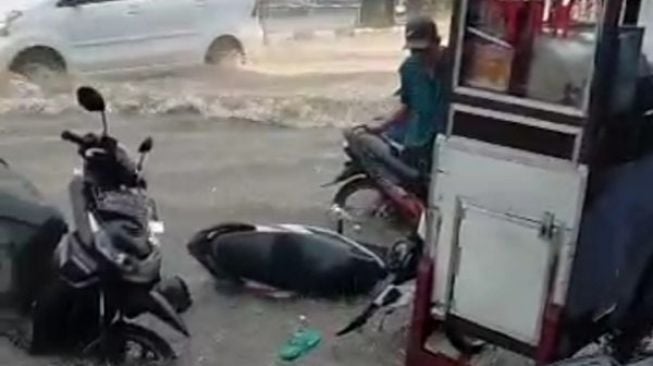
(226,52)
(43,67)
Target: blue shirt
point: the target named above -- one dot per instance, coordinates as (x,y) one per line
(423,94)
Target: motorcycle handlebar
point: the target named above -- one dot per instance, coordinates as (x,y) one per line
(366,128)
(110,152)
(72,137)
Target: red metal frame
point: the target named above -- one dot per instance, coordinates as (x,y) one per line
(423,324)
(559,17)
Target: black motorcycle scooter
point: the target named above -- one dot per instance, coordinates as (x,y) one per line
(380,199)
(107,272)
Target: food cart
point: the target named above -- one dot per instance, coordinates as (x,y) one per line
(536,86)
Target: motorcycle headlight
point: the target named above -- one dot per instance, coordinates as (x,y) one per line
(7,21)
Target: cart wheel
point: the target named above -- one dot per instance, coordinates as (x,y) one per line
(466,345)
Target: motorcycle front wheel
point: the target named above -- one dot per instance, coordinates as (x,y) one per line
(365,215)
(132,344)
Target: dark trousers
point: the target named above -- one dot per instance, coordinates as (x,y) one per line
(418,157)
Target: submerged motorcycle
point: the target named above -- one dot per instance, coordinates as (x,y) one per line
(298,258)
(380,197)
(107,271)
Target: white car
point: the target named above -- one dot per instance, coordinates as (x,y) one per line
(108,36)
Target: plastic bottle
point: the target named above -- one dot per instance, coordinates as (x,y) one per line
(302,324)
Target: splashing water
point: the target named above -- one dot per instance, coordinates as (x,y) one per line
(307,101)
(292,85)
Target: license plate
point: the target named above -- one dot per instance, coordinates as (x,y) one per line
(157,227)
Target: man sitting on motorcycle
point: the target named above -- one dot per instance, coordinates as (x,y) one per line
(422,94)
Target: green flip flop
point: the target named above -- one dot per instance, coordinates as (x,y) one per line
(301,343)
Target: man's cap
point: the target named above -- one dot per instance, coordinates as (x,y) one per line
(421,33)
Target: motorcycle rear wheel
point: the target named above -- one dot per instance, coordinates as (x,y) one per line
(374,222)
(132,344)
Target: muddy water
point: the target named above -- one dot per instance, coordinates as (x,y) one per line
(315,83)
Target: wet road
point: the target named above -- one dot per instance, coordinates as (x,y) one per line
(251,146)
(203,172)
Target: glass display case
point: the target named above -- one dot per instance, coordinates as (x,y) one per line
(537,53)
(536,74)
(543,98)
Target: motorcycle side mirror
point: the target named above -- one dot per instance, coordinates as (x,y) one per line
(93,101)
(146,146)
(90,99)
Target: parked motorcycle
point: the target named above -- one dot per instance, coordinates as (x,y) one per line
(381,198)
(108,268)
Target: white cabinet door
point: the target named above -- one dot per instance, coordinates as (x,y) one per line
(503,272)
(508,181)
(105,35)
